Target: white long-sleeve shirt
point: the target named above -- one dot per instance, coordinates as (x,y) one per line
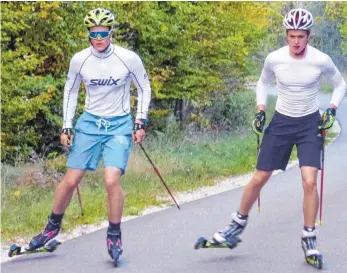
(107,78)
(298,81)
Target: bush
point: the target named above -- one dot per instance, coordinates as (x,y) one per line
(232,111)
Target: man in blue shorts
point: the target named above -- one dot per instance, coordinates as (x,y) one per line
(298,68)
(105,129)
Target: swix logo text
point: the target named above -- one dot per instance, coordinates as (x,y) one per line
(104,82)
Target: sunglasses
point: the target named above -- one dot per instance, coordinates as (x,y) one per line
(99,34)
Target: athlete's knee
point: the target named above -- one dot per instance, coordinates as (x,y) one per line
(309,184)
(112,184)
(309,178)
(112,178)
(72,178)
(260,178)
(69,183)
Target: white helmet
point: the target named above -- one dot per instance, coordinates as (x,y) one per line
(298,19)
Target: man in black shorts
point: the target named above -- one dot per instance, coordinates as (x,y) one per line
(297,68)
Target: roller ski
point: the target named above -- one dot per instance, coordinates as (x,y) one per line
(16,250)
(114,246)
(227,237)
(309,247)
(204,243)
(42,242)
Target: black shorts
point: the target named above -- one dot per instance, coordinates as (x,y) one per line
(282,134)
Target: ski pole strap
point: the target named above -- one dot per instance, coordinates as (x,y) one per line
(138,126)
(68,131)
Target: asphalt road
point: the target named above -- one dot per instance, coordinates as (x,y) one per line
(163,242)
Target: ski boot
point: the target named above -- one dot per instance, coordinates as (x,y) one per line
(114,245)
(227,237)
(50,231)
(309,246)
(229,234)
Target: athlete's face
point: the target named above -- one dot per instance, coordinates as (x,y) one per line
(100,43)
(297,41)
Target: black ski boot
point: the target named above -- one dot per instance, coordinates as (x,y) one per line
(309,246)
(114,245)
(50,231)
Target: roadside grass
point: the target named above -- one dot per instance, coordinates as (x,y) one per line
(184,166)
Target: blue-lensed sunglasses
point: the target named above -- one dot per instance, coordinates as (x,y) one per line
(99,34)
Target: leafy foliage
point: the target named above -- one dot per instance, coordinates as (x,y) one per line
(36,48)
(188,48)
(337,11)
(192,51)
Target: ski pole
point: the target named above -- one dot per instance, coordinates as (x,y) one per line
(323,133)
(79,199)
(258,148)
(160,177)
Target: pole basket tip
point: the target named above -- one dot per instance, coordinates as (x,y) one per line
(320,222)
(258,209)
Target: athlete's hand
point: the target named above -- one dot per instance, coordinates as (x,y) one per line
(259,122)
(139,136)
(328,119)
(139,132)
(66,137)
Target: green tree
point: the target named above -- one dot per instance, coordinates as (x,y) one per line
(337,11)
(190,49)
(36,47)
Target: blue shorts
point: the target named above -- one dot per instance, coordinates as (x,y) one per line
(282,134)
(96,137)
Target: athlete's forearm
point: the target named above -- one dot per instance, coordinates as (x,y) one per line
(332,106)
(340,89)
(336,79)
(70,104)
(261,94)
(71,93)
(144,98)
(263,83)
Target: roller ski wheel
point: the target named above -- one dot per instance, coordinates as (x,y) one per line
(52,246)
(202,242)
(315,260)
(115,257)
(16,250)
